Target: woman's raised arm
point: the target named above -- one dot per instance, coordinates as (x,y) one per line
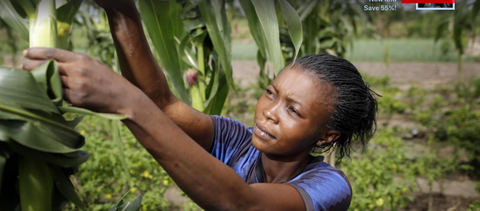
(139,66)
(213,185)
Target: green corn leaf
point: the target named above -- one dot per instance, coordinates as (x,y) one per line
(216,80)
(29,119)
(185,51)
(13,19)
(59,201)
(215,105)
(76,110)
(26,132)
(5,154)
(118,141)
(261,61)
(263,79)
(18,88)
(133,205)
(217,89)
(268,20)
(294,26)
(9,201)
(310,44)
(29,7)
(48,78)
(255,27)
(474,12)
(441,28)
(65,186)
(160,26)
(213,13)
(35,185)
(18,7)
(306,8)
(66,160)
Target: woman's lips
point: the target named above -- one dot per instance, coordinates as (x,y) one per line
(261,132)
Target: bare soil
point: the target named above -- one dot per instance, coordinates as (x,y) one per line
(403,75)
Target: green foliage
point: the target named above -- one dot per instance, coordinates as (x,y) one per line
(457,123)
(264,19)
(193,35)
(381,177)
(241,105)
(99,41)
(470,91)
(415,97)
(464,22)
(33,131)
(389,103)
(329,27)
(98,182)
(431,167)
(445,48)
(10,16)
(161,20)
(474,206)
(377,82)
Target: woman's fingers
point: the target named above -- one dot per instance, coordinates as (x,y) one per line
(59,55)
(67,93)
(30,65)
(65,81)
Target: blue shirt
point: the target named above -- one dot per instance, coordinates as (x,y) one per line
(321,186)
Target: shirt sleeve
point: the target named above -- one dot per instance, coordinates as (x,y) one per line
(323,189)
(231,139)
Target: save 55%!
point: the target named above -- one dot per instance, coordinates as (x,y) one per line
(388,7)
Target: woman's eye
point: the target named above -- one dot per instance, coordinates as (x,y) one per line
(292,109)
(269,93)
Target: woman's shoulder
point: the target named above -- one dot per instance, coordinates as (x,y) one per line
(229,127)
(327,187)
(318,167)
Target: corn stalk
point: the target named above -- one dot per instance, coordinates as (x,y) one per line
(39,147)
(192,40)
(457,27)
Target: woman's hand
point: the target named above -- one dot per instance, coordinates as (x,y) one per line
(86,82)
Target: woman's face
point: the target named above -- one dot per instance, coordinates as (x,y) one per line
(290,116)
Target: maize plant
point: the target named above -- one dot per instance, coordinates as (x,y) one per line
(457,27)
(195,36)
(39,149)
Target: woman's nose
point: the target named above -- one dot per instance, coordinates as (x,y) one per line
(271,112)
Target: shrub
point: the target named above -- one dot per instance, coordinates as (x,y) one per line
(102,180)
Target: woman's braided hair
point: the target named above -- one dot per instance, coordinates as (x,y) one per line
(355,104)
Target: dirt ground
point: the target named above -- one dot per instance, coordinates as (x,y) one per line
(426,75)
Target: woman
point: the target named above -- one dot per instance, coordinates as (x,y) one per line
(319,101)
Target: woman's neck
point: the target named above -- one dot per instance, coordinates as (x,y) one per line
(280,169)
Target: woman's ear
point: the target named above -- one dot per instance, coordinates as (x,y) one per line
(329,137)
